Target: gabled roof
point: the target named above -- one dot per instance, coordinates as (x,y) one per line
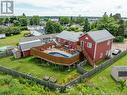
(100,35)
(70,35)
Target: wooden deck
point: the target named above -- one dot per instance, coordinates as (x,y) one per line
(38,52)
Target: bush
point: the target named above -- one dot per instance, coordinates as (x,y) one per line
(10,30)
(119,39)
(23,28)
(125,35)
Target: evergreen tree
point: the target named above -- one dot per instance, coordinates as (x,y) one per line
(86,27)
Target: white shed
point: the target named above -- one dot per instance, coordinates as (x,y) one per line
(25,46)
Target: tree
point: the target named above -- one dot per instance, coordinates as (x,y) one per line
(86,27)
(121,28)
(1,21)
(23,21)
(12,18)
(64,20)
(23,14)
(6,20)
(53,27)
(80,20)
(35,20)
(16,23)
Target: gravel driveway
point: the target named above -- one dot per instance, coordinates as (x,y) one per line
(121,46)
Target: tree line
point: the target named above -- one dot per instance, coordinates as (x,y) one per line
(113,23)
(15,24)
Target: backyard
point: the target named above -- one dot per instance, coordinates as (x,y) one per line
(39,69)
(100,84)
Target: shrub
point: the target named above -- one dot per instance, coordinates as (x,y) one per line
(119,39)
(10,31)
(23,28)
(125,35)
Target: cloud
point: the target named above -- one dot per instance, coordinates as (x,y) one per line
(70,7)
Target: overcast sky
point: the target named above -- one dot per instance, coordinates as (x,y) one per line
(70,7)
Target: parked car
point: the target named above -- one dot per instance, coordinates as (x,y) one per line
(116,52)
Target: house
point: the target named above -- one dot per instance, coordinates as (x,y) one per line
(97,44)
(70,47)
(69,38)
(119,73)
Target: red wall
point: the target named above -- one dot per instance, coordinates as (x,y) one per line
(102,47)
(26,53)
(86,40)
(71,44)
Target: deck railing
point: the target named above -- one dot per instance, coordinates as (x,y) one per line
(54,59)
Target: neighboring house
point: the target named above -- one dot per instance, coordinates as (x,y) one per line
(119,73)
(43,38)
(69,38)
(97,44)
(2,36)
(26,46)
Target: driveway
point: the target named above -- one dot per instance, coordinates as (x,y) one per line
(121,46)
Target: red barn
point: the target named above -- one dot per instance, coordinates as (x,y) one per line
(69,38)
(97,44)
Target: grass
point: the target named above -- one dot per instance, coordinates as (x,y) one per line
(12,40)
(105,81)
(38,69)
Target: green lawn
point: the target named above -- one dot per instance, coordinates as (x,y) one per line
(33,66)
(11,40)
(104,80)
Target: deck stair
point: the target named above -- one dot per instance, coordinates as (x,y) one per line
(90,60)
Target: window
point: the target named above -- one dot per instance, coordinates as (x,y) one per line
(89,45)
(122,73)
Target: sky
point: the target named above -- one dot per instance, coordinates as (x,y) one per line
(70,7)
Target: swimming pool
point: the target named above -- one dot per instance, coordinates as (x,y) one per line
(59,54)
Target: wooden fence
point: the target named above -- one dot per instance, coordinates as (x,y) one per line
(29,77)
(95,70)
